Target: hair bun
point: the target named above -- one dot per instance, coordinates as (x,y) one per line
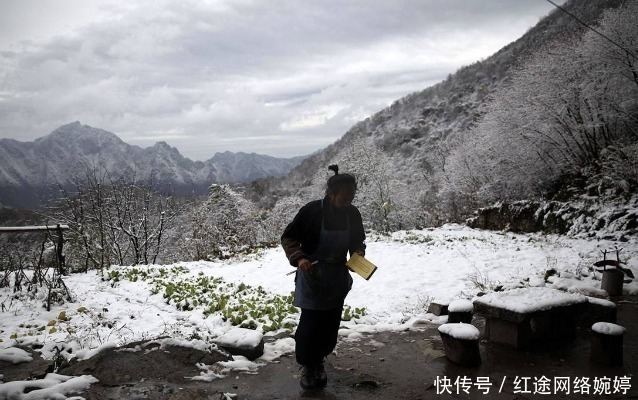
(335,168)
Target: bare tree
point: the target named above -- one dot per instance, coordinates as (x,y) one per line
(82,207)
(114,220)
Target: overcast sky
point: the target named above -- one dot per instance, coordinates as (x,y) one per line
(276,77)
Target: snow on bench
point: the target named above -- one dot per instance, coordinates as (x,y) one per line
(607,328)
(607,343)
(460,310)
(461,343)
(598,310)
(519,317)
(460,331)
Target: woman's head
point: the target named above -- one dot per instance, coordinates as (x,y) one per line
(341,188)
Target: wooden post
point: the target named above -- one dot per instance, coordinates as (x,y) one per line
(60,252)
(44,228)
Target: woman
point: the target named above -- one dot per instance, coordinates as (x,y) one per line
(317,242)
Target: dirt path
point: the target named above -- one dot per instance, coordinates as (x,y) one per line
(384,365)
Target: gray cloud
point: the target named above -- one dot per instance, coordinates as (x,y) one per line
(277,77)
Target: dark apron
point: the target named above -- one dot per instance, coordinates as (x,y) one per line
(326,285)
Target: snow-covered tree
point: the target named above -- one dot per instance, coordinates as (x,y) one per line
(384,200)
(280,216)
(223,225)
(561,115)
(612,52)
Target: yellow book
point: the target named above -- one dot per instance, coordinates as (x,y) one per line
(361,266)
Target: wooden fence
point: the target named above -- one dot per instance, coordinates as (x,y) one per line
(58,228)
(55,285)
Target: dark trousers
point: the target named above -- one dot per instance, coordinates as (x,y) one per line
(316,335)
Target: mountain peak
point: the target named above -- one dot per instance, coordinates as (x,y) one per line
(72,125)
(59,157)
(75,131)
(162,147)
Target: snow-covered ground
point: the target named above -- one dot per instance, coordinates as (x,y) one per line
(414,268)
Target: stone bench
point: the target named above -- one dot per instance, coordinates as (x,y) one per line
(460,310)
(598,310)
(460,342)
(521,317)
(438,308)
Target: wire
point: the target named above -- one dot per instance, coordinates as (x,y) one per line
(629,53)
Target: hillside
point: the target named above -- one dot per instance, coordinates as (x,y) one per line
(406,149)
(28,170)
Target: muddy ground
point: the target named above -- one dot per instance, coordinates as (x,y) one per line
(384,365)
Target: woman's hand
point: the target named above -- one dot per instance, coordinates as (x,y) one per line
(304,264)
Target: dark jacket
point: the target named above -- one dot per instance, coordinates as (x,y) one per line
(301,236)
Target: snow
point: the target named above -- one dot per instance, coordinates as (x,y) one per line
(532,299)
(240,337)
(53,386)
(29,228)
(85,354)
(274,350)
(460,331)
(451,263)
(607,328)
(601,302)
(460,305)
(14,355)
(239,363)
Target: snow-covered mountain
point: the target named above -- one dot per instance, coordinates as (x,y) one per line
(417,133)
(415,128)
(28,170)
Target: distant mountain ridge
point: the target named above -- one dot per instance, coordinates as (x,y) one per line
(28,170)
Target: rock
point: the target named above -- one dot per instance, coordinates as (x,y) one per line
(35,369)
(516,217)
(242,342)
(438,308)
(160,359)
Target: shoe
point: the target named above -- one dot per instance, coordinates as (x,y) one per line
(308,378)
(320,376)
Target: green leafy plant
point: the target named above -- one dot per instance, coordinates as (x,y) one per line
(350,314)
(240,304)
